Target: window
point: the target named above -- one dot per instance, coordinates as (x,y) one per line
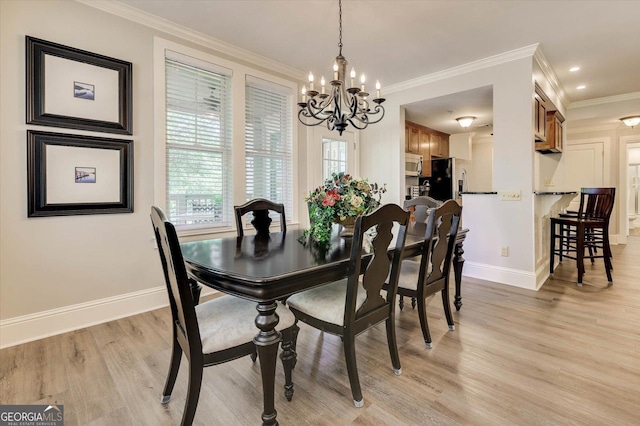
(224,134)
(198,145)
(268,142)
(334,157)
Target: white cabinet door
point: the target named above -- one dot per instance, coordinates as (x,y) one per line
(584,167)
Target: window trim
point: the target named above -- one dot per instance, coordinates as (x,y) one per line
(239,73)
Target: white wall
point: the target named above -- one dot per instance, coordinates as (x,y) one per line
(480,174)
(48,284)
(41,267)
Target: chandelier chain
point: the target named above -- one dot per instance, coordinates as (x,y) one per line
(340,21)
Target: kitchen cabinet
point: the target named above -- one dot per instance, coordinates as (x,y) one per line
(440,145)
(425,151)
(540,115)
(412,142)
(554,132)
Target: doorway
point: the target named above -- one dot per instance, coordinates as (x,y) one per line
(585,166)
(332,153)
(628,145)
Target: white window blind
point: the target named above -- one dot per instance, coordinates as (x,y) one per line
(268,139)
(198,145)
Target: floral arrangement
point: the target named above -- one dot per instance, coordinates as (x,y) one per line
(341,199)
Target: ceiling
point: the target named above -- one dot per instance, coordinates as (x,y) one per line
(441,113)
(397,40)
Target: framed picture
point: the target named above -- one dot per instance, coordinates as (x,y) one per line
(75,174)
(68,87)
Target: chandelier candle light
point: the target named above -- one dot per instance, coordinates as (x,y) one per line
(342,105)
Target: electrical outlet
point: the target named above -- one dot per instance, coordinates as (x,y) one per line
(509,195)
(504,251)
(549,182)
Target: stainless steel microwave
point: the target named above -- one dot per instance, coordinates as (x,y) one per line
(412,164)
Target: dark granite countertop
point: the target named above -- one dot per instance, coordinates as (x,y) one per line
(478,192)
(555,192)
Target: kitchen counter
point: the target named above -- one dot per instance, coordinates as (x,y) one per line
(479,193)
(555,192)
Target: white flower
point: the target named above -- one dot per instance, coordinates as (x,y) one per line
(356,201)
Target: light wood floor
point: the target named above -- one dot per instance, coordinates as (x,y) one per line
(564,355)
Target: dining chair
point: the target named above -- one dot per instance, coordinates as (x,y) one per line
(260,208)
(430,275)
(419,208)
(587,229)
(354,304)
(212,332)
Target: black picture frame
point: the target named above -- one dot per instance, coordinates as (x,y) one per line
(45,178)
(120,115)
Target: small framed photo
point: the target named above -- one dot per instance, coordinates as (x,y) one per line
(72,88)
(85,175)
(75,174)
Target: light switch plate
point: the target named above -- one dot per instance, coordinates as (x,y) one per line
(509,195)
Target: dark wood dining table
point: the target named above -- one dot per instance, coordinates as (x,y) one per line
(268,268)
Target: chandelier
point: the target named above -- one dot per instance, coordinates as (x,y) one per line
(341,105)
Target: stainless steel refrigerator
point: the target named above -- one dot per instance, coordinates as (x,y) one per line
(442,181)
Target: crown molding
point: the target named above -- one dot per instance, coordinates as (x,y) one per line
(550,75)
(512,55)
(598,128)
(606,100)
(161,24)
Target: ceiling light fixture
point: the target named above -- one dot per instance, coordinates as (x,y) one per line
(342,105)
(574,69)
(465,122)
(581,87)
(631,121)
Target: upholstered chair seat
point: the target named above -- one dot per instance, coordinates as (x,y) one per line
(228,321)
(409,272)
(326,302)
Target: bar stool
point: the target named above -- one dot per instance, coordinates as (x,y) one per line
(587,229)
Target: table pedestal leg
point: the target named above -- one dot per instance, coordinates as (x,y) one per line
(267,344)
(458,263)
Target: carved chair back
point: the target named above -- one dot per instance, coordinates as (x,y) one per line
(383,263)
(439,241)
(420,207)
(261,220)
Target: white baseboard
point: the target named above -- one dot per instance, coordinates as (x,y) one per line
(508,276)
(26,328)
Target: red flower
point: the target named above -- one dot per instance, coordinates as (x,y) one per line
(330,198)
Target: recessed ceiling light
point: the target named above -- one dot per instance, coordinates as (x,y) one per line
(574,69)
(581,87)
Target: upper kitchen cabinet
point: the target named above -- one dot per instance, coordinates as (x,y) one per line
(412,139)
(439,145)
(548,122)
(540,115)
(425,151)
(555,134)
